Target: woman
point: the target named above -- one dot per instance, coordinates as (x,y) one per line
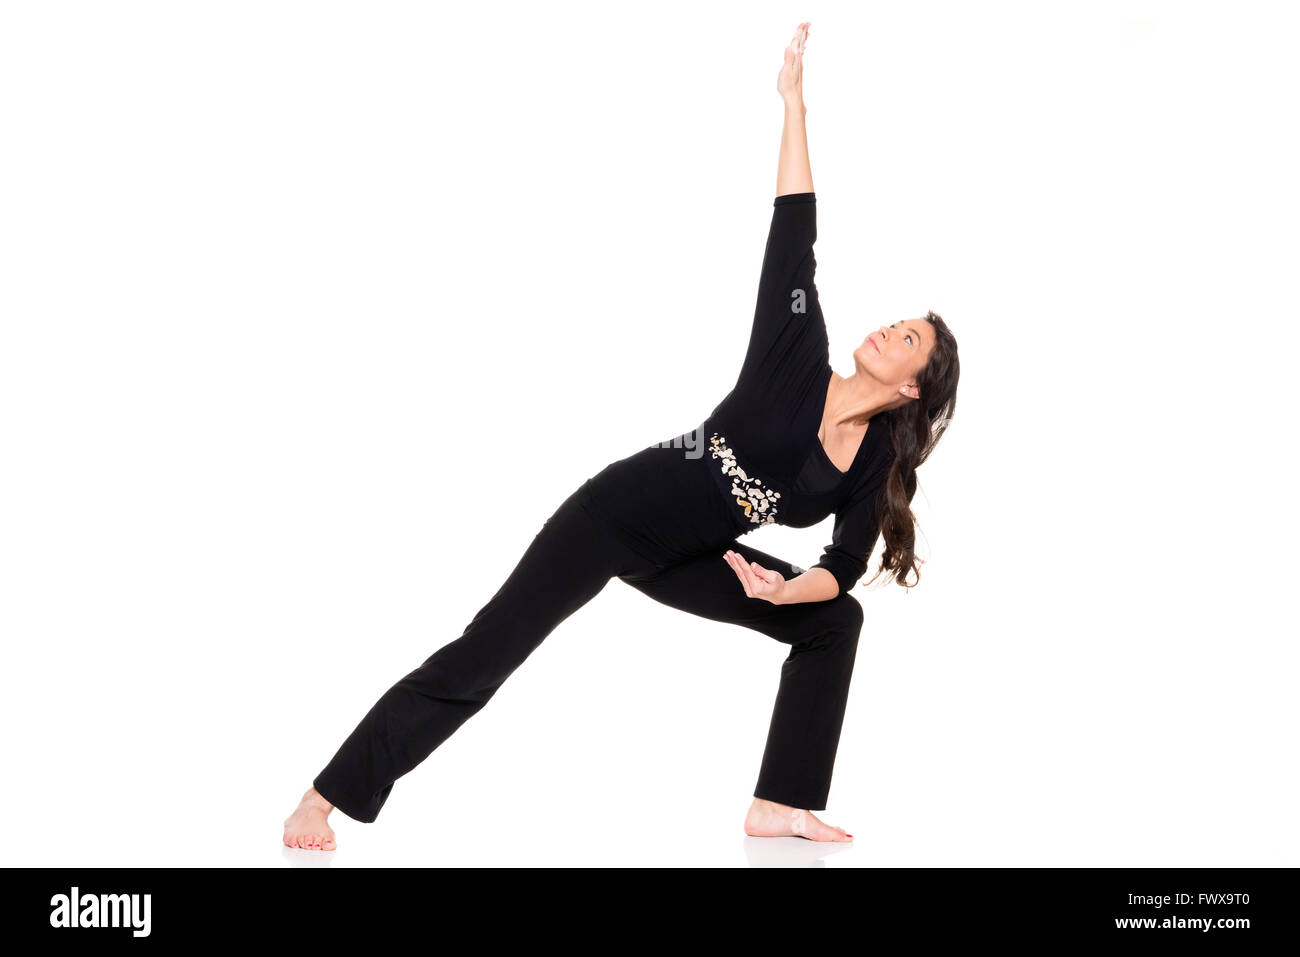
(790,444)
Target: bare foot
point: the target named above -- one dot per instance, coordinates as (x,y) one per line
(769,819)
(306,827)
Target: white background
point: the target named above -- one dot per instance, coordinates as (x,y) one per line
(313,313)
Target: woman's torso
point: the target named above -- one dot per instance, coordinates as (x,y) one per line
(751,462)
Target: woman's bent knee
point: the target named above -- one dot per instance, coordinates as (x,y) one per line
(846,614)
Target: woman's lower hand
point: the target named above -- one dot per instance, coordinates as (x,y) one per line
(759,582)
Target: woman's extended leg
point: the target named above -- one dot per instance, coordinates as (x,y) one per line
(806,721)
(568,563)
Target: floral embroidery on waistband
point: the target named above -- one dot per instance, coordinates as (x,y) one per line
(759,503)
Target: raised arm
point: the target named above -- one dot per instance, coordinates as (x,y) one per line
(788,335)
(794,172)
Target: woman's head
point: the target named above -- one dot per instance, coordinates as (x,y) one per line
(917,359)
(895,356)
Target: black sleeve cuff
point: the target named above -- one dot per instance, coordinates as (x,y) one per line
(794,198)
(847,572)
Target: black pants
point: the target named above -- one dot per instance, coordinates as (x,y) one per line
(568,563)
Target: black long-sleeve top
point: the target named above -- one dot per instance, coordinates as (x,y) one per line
(760,442)
(772,415)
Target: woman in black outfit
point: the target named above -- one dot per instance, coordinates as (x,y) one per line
(790,444)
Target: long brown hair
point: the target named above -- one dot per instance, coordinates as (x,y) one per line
(915,429)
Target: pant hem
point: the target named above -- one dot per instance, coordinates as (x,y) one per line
(791,800)
(345,804)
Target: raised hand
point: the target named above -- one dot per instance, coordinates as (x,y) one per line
(789,82)
(759,582)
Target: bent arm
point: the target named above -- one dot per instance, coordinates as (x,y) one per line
(857,530)
(816,584)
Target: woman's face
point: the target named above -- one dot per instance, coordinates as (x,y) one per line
(894,354)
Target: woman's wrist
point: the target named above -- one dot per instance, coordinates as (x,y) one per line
(795,104)
(782,595)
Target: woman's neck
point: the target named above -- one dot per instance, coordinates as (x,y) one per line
(854,400)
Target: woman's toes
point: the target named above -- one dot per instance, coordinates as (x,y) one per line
(329,844)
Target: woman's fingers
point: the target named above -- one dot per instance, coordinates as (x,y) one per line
(765,577)
(730,560)
(746,576)
(757,580)
(739,566)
